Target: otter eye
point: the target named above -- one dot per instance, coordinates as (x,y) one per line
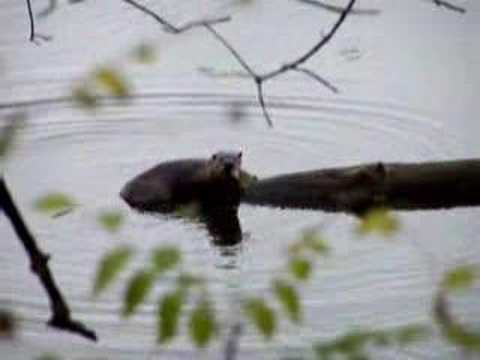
(239,155)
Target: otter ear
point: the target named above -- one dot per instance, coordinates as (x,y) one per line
(239,155)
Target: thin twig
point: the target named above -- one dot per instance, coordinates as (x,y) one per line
(205,22)
(449,6)
(317,77)
(293,65)
(169,27)
(32,21)
(262,102)
(312,51)
(339,9)
(61,314)
(230,48)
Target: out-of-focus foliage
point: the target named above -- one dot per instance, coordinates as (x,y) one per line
(202,323)
(111,220)
(9,129)
(105,81)
(168,315)
(165,258)
(48,356)
(144,54)
(262,316)
(138,289)
(378,220)
(460,278)
(354,345)
(54,203)
(287,295)
(110,266)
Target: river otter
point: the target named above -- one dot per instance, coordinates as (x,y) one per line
(213,182)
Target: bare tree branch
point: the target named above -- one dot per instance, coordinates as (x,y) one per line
(61,314)
(261,100)
(339,9)
(293,65)
(449,6)
(169,27)
(32,21)
(205,22)
(319,45)
(230,48)
(317,77)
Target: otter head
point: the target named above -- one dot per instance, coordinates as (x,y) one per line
(228,163)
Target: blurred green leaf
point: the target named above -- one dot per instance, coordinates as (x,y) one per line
(454,332)
(110,266)
(144,54)
(288,297)
(113,81)
(165,258)
(9,130)
(462,337)
(169,311)
(85,97)
(300,268)
(313,241)
(262,316)
(460,278)
(138,289)
(48,356)
(378,220)
(111,220)
(202,324)
(54,203)
(410,334)
(185,281)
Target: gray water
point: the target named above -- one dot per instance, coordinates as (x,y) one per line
(409,85)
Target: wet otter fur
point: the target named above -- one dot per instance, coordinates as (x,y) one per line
(213,182)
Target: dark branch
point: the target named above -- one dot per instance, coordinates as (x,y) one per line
(319,45)
(339,9)
(61,314)
(205,22)
(169,27)
(293,65)
(230,48)
(317,77)
(449,6)
(261,100)
(32,21)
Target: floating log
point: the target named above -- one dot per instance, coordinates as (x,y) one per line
(354,189)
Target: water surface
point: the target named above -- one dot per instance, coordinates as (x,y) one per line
(408,93)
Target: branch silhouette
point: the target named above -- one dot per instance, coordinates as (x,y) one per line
(32,20)
(168,26)
(61,314)
(293,65)
(338,9)
(449,6)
